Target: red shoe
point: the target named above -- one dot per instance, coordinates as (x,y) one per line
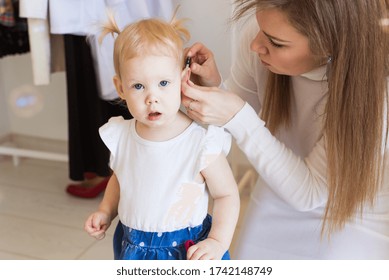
(87,192)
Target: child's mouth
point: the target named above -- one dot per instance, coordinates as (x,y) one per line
(154,115)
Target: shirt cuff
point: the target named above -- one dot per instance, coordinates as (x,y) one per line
(244,122)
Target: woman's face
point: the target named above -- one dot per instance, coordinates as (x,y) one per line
(281,47)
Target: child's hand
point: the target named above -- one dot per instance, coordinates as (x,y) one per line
(97,224)
(208,249)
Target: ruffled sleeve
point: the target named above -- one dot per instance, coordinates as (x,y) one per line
(111,132)
(215,142)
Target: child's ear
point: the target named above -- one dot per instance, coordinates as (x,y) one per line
(185,74)
(118,85)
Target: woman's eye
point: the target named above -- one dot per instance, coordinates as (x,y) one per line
(163,83)
(138,86)
(274,44)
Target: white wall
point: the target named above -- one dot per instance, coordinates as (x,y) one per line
(51,121)
(208,24)
(4,119)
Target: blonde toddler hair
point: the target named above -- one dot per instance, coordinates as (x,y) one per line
(150,36)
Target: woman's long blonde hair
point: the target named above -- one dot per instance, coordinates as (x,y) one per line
(147,36)
(351,33)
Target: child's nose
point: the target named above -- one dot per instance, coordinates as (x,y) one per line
(151,98)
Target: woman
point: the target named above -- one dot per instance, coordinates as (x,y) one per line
(310,113)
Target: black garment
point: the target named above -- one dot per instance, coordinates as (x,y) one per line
(86,112)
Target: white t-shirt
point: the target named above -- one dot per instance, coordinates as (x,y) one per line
(284,216)
(158,187)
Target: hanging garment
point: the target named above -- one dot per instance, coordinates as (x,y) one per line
(83,17)
(47,50)
(7,17)
(13,30)
(86,112)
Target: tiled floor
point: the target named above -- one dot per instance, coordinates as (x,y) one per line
(39,220)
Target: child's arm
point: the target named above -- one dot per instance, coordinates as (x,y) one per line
(99,221)
(224,191)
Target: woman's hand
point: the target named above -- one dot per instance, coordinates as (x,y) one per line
(203,66)
(210,105)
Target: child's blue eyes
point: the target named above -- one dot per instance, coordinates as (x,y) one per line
(141,87)
(138,86)
(163,83)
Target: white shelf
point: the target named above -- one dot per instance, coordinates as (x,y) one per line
(17,153)
(17,147)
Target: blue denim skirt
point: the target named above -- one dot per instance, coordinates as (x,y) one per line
(132,244)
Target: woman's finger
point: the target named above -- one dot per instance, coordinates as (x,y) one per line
(189,104)
(199,70)
(196,116)
(185,100)
(192,91)
(197,49)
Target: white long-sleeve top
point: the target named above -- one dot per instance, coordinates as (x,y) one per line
(284,216)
